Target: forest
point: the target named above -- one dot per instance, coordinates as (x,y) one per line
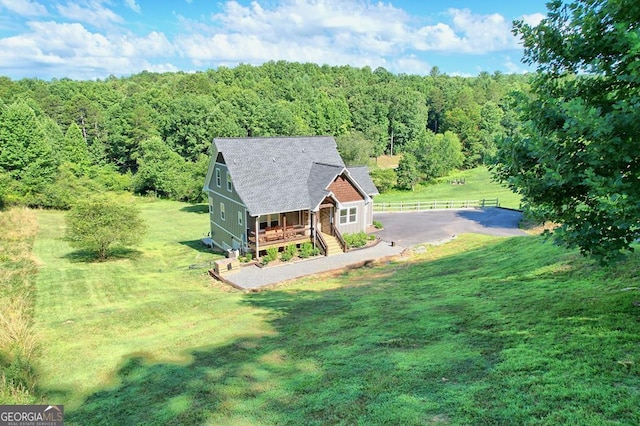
(150,133)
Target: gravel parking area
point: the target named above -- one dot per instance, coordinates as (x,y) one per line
(412,228)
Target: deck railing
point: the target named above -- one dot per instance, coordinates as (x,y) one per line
(279,234)
(412,206)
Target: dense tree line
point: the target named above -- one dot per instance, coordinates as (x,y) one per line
(150,133)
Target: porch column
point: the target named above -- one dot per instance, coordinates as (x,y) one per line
(313,227)
(257,232)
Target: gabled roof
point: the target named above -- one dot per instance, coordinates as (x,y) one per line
(320,177)
(279,174)
(361,175)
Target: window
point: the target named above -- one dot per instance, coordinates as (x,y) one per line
(222,211)
(210,205)
(240,218)
(218,180)
(269,220)
(229,186)
(349,215)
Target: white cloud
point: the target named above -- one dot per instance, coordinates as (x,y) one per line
(82,53)
(469,33)
(88,38)
(133,5)
(533,20)
(323,31)
(93,13)
(24,7)
(483,33)
(439,37)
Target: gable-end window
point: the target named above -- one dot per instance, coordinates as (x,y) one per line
(222,215)
(218,179)
(240,218)
(349,215)
(229,185)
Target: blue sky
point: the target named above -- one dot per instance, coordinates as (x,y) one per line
(89,39)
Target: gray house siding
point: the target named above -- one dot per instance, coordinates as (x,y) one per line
(229,232)
(368,215)
(351,226)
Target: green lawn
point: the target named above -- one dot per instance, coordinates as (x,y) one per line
(478,185)
(481,330)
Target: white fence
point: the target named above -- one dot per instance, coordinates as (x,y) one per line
(415,206)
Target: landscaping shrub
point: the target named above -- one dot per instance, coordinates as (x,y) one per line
(356,240)
(377,224)
(272,254)
(288,253)
(307,250)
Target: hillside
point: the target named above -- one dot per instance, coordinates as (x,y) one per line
(480,330)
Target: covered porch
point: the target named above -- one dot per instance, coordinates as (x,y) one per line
(278,236)
(279,230)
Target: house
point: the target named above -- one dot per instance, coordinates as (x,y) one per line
(275,191)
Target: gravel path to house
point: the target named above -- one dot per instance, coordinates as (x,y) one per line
(253,277)
(405,230)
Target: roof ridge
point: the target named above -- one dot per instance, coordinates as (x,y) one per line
(273,137)
(327,164)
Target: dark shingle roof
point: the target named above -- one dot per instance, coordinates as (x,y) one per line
(361,175)
(280,174)
(320,177)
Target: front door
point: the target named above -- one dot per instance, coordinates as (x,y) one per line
(324,224)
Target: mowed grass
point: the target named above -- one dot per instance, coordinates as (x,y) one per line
(156,302)
(478,185)
(481,330)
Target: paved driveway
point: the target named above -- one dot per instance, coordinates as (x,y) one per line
(412,228)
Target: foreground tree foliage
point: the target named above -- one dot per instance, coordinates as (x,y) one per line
(577,162)
(103,222)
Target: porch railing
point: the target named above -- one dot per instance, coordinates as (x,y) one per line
(278,234)
(338,235)
(323,244)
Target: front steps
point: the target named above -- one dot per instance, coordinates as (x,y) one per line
(333,246)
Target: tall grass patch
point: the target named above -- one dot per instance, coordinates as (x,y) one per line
(18,338)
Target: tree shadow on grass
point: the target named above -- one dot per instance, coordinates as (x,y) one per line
(403,344)
(88,256)
(198,245)
(493,217)
(196,208)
